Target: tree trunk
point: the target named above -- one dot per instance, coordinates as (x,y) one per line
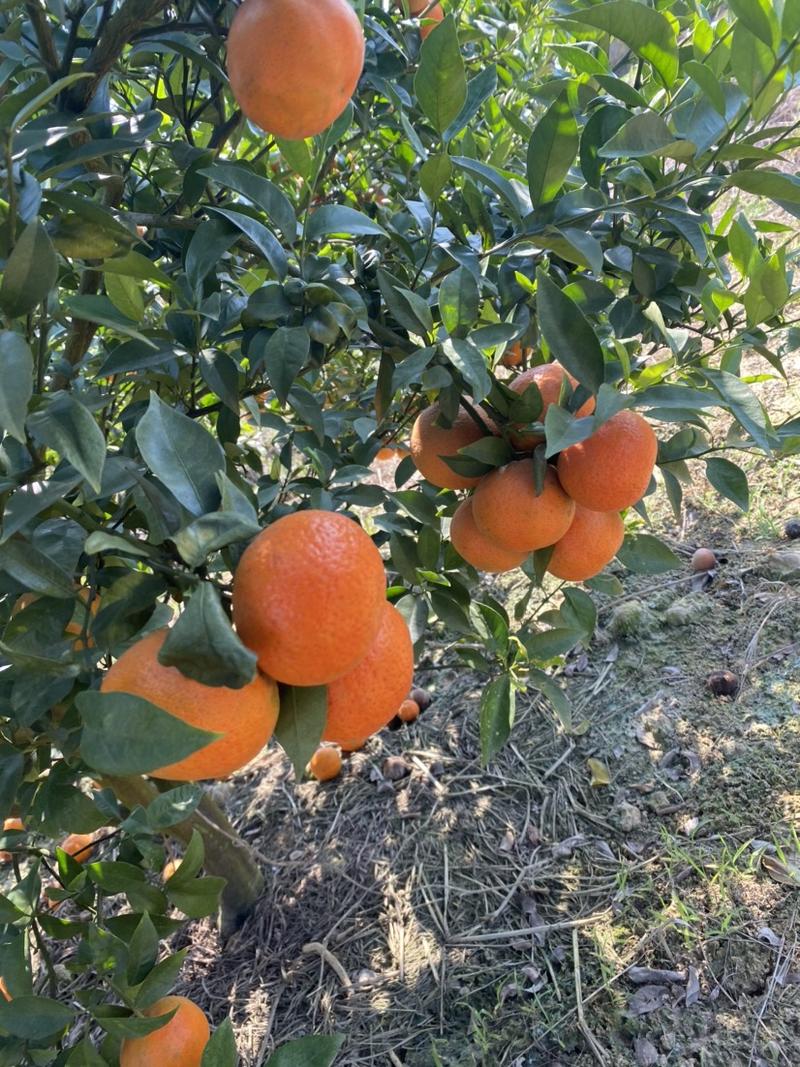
(226,855)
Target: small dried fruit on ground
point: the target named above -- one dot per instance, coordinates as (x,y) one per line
(326,763)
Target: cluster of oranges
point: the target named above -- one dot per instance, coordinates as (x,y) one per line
(294,64)
(575,511)
(309,598)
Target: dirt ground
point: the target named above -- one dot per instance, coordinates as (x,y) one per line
(520,916)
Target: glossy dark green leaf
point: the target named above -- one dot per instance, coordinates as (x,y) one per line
(35,571)
(301,722)
(774,184)
(34,1018)
(569,334)
(548,644)
(284,355)
(124,734)
(318,1050)
(12,765)
(68,427)
(498,706)
(260,191)
(142,950)
(708,82)
(16,383)
(759,17)
(551,151)
(131,1026)
(161,979)
(99,309)
(221,1048)
(126,296)
(172,807)
(729,480)
(207,246)
(261,236)
(479,89)
(209,533)
(30,272)
(471,362)
(434,174)
(203,645)
(497,182)
(646,135)
(339,219)
(644,554)
(459,300)
(182,454)
(440,84)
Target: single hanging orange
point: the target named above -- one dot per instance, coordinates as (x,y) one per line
(294,64)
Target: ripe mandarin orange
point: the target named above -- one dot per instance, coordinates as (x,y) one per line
(408,711)
(391,452)
(611,469)
(592,541)
(178,1044)
(507,510)
(244,717)
(4,989)
(10,824)
(308,595)
(326,763)
(549,378)
(430,441)
(365,699)
(430,20)
(513,355)
(294,64)
(471,545)
(79,846)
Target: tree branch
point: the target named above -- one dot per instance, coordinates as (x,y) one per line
(44,38)
(131,17)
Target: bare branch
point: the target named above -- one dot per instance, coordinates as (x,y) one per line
(44,38)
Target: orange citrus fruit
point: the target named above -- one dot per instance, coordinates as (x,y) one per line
(364,700)
(430,441)
(4,989)
(430,20)
(178,1044)
(390,452)
(549,378)
(471,545)
(79,846)
(308,595)
(408,710)
(10,824)
(508,512)
(326,763)
(170,867)
(592,541)
(244,717)
(513,355)
(294,64)
(611,469)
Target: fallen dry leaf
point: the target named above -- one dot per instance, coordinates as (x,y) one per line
(692,988)
(787,871)
(647,999)
(599,772)
(645,1052)
(654,976)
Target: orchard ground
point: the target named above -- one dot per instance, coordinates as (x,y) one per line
(392,905)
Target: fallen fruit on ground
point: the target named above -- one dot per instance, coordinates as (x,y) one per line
(430,441)
(703,560)
(326,763)
(723,683)
(409,710)
(308,595)
(10,824)
(792,529)
(421,697)
(591,542)
(611,469)
(294,64)
(178,1044)
(79,846)
(508,511)
(245,717)
(471,545)
(364,700)
(549,379)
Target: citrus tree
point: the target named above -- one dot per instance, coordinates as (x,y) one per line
(535,248)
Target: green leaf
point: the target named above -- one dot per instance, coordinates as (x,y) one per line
(44,97)
(142,951)
(729,480)
(744,405)
(172,807)
(284,356)
(434,174)
(260,191)
(646,31)
(497,182)
(471,362)
(131,1026)
(301,722)
(35,571)
(646,135)
(479,89)
(30,272)
(221,1048)
(204,646)
(264,239)
(134,265)
(182,454)
(16,383)
(160,979)
(498,706)
(440,84)
(551,151)
(314,1051)
(644,554)
(206,247)
(759,17)
(206,535)
(124,734)
(547,644)
(125,295)
(554,694)
(34,1018)
(345,221)
(493,451)
(569,334)
(12,766)
(199,898)
(783,188)
(459,300)
(99,309)
(67,426)
(708,82)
